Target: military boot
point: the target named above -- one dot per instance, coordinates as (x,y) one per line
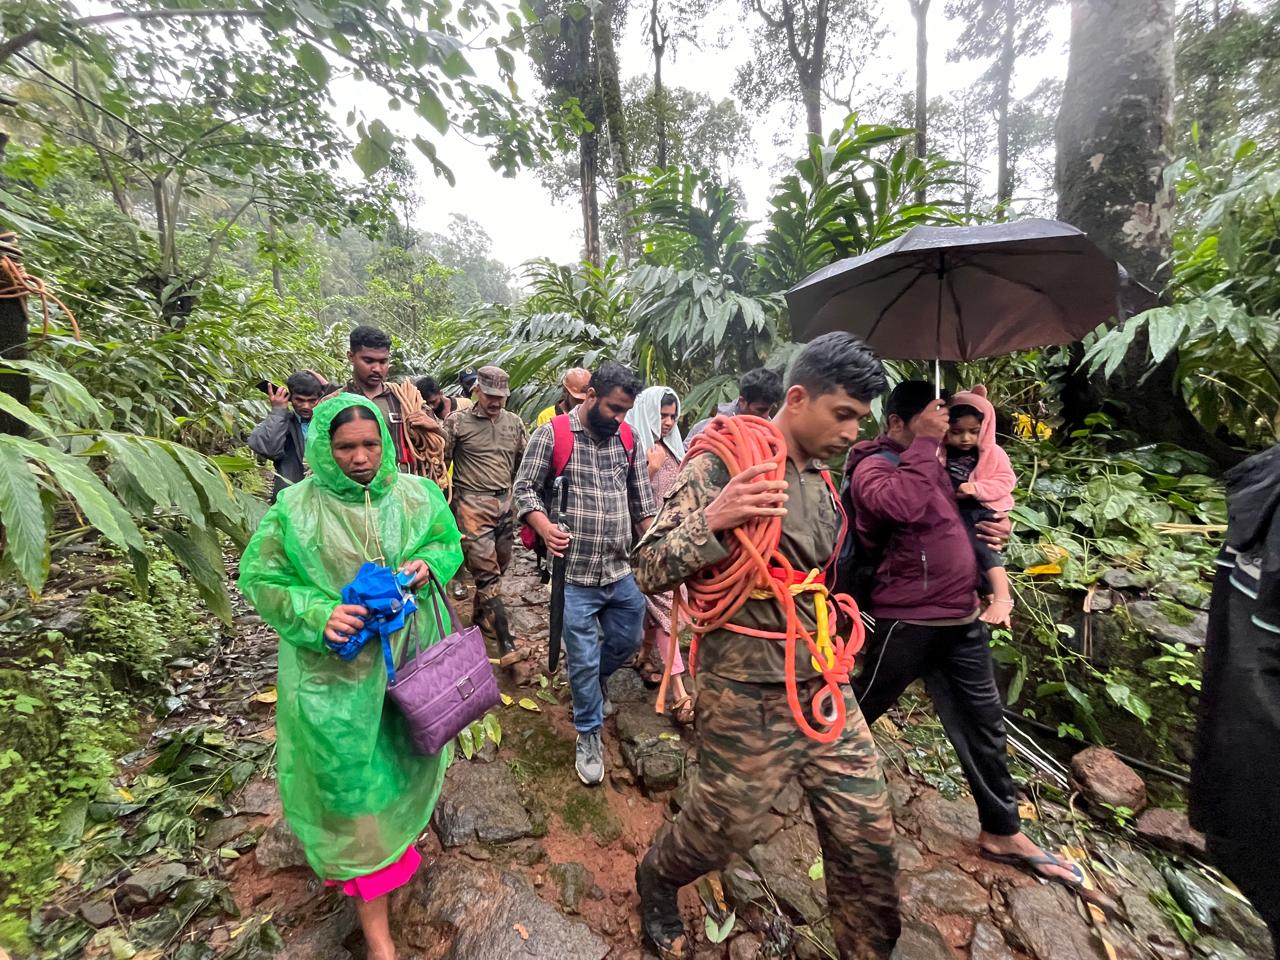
(659,913)
(507,652)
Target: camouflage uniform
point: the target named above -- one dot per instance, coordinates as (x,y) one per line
(750,746)
(485,454)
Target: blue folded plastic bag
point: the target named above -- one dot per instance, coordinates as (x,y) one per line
(385,595)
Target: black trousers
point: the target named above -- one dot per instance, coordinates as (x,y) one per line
(956,665)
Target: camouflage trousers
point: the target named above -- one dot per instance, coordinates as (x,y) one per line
(487,531)
(750,748)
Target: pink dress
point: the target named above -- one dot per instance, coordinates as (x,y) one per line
(658,606)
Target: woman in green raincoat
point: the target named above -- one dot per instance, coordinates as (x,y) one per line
(354,790)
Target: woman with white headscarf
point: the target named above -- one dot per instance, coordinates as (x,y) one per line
(653,421)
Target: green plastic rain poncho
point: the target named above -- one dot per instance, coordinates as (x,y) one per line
(353,789)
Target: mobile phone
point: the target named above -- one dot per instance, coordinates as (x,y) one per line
(266,386)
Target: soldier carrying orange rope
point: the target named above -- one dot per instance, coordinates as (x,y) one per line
(757,507)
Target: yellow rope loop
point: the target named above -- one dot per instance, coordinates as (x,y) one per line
(17,284)
(811,584)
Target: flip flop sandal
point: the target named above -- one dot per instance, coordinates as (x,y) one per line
(682,711)
(1032,865)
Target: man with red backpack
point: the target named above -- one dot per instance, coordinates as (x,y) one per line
(607,500)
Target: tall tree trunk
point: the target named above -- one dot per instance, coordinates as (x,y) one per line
(658,41)
(920,10)
(14,330)
(588,171)
(1113,136)
(1008,54)
(811,95)
(277,281)
(615,117)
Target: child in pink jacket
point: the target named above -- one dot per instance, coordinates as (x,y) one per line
(984,480)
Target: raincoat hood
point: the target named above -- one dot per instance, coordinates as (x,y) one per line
(645,418)
(977,398)
(325,469)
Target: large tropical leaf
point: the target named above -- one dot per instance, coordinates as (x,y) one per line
(26,541)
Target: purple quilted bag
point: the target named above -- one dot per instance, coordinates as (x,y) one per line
(447,686)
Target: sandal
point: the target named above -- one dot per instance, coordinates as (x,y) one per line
(1033,864)
(682,711)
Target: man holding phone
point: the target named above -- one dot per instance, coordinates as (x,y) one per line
(282,436)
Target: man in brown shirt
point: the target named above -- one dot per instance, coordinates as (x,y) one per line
(750,746)
(370,356)
(485,444)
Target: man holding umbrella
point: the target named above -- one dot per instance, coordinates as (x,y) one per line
(925,604)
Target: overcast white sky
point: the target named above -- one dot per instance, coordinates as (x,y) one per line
(524,222)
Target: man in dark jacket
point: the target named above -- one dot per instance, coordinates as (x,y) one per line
(925,605)
(282,437)
(1234,799)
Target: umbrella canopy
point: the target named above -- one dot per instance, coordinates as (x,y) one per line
(960,293)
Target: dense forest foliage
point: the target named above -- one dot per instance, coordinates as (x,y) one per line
(179,180)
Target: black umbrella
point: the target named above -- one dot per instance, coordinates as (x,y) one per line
(960,293)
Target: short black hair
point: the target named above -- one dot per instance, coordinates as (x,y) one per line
(668,399)
(910,397)
(965,410)
(611,375)
(761,385)
(357,411)
(427,386)
(303,384)
(371,337)
(836,360)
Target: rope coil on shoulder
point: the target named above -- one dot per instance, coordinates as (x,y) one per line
(17,284)
(756,569)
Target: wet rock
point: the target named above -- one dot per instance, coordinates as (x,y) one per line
(477,911)
(1135,866)
(1101,601)
(909,855)
(574,882)
(651,747)
(150,883)
(627,686)
(533,852)
(527,622)
(988,943)
(68,620)
(783,863)
(1170,830)
(1150,926)
(1215,948)
(947,827)
(258,796)
(480,802)
(1219,911)
(789,799)
(1044,919)
(948,891)
(324,940)
(222,832)
(280,849)
(747,946)
(97,913)
(1118,578)
(919,941)
(806,949)
(1185,626)
(1105,780)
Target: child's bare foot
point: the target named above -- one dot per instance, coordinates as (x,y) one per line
(997,614)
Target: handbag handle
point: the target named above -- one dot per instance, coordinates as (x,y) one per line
(437,592)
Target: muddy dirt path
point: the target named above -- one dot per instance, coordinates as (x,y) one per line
(188,856)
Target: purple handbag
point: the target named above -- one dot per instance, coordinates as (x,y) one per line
(447,686)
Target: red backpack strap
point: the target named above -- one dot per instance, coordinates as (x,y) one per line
(562,443)
(844,520)
(628,439)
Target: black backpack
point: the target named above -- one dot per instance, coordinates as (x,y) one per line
(857,564)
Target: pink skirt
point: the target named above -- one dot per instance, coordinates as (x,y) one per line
(381,882)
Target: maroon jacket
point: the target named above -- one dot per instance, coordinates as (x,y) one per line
(928,571)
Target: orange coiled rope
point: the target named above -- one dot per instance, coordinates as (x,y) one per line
(756,569)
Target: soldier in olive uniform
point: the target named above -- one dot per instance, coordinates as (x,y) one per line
(485,444)
(750,745)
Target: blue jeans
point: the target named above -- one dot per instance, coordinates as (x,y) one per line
(602,630)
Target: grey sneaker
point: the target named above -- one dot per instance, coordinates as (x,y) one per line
(589,758)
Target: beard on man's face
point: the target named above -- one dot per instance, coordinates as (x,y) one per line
(599,423)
